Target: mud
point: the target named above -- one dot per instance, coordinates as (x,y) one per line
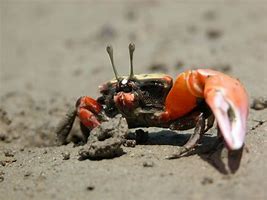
(106,140)
(54,52)
(259,103)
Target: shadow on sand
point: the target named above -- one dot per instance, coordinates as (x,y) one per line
(212,149)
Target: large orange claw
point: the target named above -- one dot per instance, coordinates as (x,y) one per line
(225,96)
(228,101)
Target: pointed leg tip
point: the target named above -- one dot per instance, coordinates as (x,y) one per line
(178,154)
(173,156)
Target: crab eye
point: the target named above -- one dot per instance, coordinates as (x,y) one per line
(124,82)
(124,86)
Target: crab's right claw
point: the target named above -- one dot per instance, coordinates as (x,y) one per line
(89,112)
(228,101)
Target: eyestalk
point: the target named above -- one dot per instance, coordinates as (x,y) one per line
(110,53)
(131,51)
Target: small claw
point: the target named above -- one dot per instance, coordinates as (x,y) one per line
(88,118)
(231,116)
(89,112)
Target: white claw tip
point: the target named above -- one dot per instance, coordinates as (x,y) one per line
(231,122)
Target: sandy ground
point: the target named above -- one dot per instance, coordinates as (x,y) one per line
(54,52)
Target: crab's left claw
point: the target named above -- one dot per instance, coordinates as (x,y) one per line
(228,101)
(226,97)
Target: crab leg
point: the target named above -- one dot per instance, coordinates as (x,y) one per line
(195,137)
(225,96)
(64,126)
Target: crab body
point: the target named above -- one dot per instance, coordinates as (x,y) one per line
(137,99)
(193,100)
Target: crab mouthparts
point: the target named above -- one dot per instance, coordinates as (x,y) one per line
(124,100)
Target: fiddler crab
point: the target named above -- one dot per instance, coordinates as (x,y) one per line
(194,100)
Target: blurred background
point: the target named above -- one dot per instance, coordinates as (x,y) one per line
(58,47)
